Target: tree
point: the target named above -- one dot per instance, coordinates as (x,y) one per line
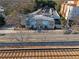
(43,3)
(58,2)
(2,22)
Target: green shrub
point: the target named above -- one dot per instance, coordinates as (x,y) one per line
(63,21)
(2,34)
(75,33)
(67,32)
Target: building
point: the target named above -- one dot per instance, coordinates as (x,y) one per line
(70,9)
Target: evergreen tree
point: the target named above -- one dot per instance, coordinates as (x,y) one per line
(2,22)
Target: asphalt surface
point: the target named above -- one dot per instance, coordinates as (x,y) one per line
(71,43)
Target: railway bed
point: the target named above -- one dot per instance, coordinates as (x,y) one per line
(47,53)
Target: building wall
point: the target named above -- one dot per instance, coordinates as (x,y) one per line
(78,3)
(69,7)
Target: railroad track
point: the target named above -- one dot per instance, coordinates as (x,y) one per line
(54,53)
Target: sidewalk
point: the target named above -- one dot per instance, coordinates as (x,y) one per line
(31,31)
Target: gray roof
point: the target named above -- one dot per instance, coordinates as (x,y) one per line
(1,9)
(41,17)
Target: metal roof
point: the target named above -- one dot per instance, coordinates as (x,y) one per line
(41,17)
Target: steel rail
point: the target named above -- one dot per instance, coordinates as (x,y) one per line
(40,53)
